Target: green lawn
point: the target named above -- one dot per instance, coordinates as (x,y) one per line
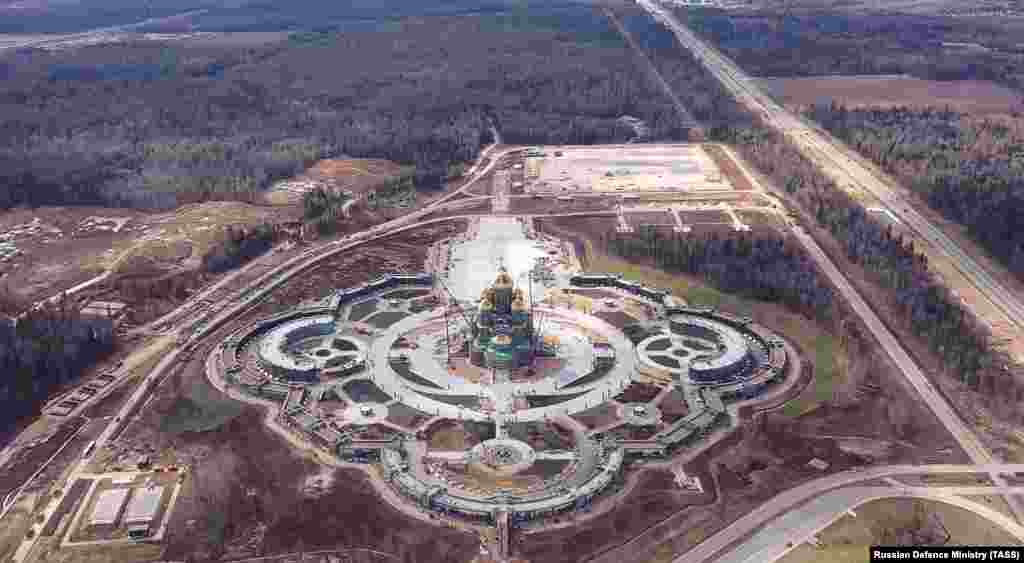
(826,375)
(693,293)
(825,347)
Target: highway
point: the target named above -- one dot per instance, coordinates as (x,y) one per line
(787,532)
(49,40)
(747,93)
(993,303)
(788,500)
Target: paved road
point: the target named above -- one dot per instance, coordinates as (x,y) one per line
(994,303)
(283,272)
(749,94)
(801,524)
(787,500)
(44,40)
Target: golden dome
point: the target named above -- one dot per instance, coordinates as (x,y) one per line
(503,279)
(518,305)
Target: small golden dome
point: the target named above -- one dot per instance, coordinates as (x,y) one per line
(503,279)
(518,305)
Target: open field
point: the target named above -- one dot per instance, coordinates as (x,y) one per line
(968,96)
(54,248)
(613,169)
(880,522)
(355,175)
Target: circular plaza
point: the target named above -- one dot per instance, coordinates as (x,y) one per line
(504,404)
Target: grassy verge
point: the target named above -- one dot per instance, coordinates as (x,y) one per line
(828,355)
(827,374)
(694,293)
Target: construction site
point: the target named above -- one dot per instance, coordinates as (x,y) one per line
(474,401)
(455,388)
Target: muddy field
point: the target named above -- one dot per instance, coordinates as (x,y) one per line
(405,252)
(250,494)
(969,96)
(700,218)
(529,205)
(248,488)
(29,459)
(662,218)
(655,497)
(638,393)
(601,415)
(355,175)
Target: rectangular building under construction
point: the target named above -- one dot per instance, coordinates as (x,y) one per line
(108,507)
(143,505)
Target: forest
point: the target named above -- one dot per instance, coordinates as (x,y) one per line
(926,306)
(46,348)
(827,43)
(763,267)
(156,125)
(226,15)
(706,100)
(923,305)
(969,169)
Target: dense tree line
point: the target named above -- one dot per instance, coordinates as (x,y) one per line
(924,304)
(43,350)
(706,100)
(971,170)
(761,267)
(927,306)
(156,125)
(825,43)
(323,209)
(218,15)
(240,246)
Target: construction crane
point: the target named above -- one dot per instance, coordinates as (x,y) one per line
(469,321)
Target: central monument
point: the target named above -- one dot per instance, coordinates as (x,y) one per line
(503,333)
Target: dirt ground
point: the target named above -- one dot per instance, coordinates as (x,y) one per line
(728,167)
(655,497)
(650,218)
(27,461)
(969,96)
(58,247)
(638,393)
(529,205)
(356,175)
(484,207)
(600,415)
(247,481)
(232,500)
(63,246)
